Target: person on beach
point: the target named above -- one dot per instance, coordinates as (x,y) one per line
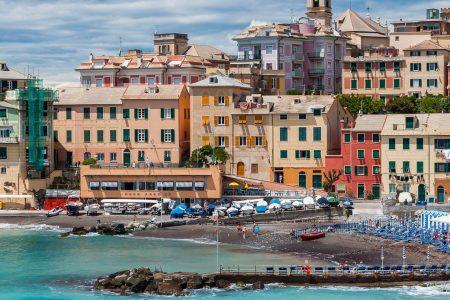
(244,231)
(255,229)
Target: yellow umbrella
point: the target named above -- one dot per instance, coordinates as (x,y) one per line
(234,184)
(246,186)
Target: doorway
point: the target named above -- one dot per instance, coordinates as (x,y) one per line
(126,157)
(421,193)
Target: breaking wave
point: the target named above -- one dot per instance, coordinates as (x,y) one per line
(32,227)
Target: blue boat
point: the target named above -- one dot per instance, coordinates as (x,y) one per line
(275,201)
(261,207)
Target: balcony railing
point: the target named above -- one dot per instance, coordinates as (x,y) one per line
(316,87)
(316,72)
(316,55)
(299,56)
(298,74)
(9,140)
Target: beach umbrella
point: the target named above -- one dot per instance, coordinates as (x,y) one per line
(247,210)
(275,200)
(178,212)
(308,201)
(405,197)
(297,204)
(261,206)
(233,184)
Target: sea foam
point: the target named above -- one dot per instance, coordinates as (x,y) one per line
(32,227)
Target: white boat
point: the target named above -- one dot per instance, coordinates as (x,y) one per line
(247,210)
(54,212)
(298,204)
(261,206)
(286,204)
(92,207)
(274,207)
(309,202)
(405,198)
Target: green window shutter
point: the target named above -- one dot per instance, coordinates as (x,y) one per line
(87,136)
(347,138)
(420,167)
(406,167)
(405,144)
(146,135)
(420,67)
(366,170)
(317,134)
(391,144)
(411,67)
(317,154)
(308,154)
(376,154)
(283,154)
(136,135)
(172,113)
(146,113)
(302,133)
(368,84)
(100,136)
(392,167)
(135,113)
(126,135)
(162,113)
(347,170)
(172,134)
(396,83)
(112,136)
(420,144)
(162,135)
(126,113)
(297,154)
(428,66)
(354,84)
(382,83)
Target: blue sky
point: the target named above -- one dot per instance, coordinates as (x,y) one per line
(54,36)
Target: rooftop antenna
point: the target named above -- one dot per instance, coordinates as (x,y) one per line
(368,9)
(120,46)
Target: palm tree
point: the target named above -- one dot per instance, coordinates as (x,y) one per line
(330,178)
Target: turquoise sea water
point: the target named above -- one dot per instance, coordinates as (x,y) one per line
(36,264)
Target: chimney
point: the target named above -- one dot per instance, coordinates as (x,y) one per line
(378,20)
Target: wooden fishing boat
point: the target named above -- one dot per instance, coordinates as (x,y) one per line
(312,236)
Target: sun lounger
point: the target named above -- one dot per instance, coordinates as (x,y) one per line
(282,271)
(270,270)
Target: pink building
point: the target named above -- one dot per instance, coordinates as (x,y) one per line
(122,125)
(360,158)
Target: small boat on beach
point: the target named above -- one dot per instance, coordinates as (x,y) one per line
(232,211)
(92,207)
(312,236)
(247,210)
(73,208)
(54,212)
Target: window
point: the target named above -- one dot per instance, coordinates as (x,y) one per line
(100,157)
(258,119)
(141,114)
(100,136)
(419,143)
(383,84)
(283,117)
(269,49)
(361,171)
(375,138)
(3,113)
(406,168)
(361,137)
(126,135)
(382,66)
(283,134)
(283,154)
(376,154)
(112,113)
(317,154)
(415,53)
(396,83)
(151,81)
(376,191)
(432,66)
(242,119)
(141,155)
(392,188)
(55,114)
(405,144)
(302,116)
(126,113)
(392,167)
(268,66)
(302,135)
(113,156)
(68,113)
(87,136)
(347,170)
(113,136)
(420,167)
(353,67)
(69,136)
(221,121)
(406,187)
(361,154)
(415,67)
(391,144)
(99,113)
(431,53)
(415,82)
(368,84)
(368,67)
(432,83)
(44,130)
(317,112)
(3,153)
(347,138)
(409,122)
(317,181)
(177,80)
(396,66)
(376,170)
(3,170)
(254,169)
(168,136)
(302,154)
(55,136)
(317,134)
(221,100)
(86,113)
(140,135)
(242,141)
(354,84)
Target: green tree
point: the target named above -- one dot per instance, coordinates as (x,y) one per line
(402,105)
(207,155)
(431,104)
(356,103)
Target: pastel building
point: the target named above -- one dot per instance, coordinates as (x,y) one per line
(379,73)
(426,69)
(308,50)
(359,159)
(123,125)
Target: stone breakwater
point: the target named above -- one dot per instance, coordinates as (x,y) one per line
(145,281)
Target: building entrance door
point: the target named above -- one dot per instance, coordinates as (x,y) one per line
(302,180)
(361,191)
(126,157)
(440,194)
(421,193)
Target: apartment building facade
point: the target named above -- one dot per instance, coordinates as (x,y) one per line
(123,125)
(379,74)
(359,159)
(426,69)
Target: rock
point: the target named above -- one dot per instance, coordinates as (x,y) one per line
(258,285)
(112,229)
(64,234)
(79,231)
(194,282)
(223,284)
(138,280)
(169,288)
(118,281)
(127,272)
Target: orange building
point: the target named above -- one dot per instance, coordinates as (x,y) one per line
(130,125)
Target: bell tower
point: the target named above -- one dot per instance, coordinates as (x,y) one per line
(321,11)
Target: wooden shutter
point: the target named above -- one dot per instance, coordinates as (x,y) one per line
(249,141)
(205,120)
(172,113)
(227,141)
(236,141)
(205,100)
(162,135)
(136,135)
(253,141)
(135,113)
(146,135)
(216,100)
(216,141)
(216,120)
(227,100)
(264,140)
(308,154)
(172,134)
(205,140)
(162,113)
(146,113)
(227,121)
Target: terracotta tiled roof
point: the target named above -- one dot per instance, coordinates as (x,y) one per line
(427,45)
(164,92)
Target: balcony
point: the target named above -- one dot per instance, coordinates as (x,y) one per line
(298,74)
(316,72)
(316,87)
(316,55)
(299,57)
(9,140)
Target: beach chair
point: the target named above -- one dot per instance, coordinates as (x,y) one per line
(409,268)
(270,270)
(318,269)
(331,269)
(282,271)
(293,270)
